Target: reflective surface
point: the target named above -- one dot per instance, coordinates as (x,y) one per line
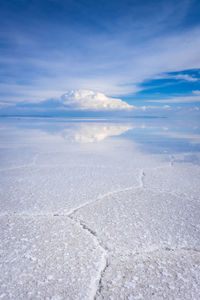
(149,135)
(88,208)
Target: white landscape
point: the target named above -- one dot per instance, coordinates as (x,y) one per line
(99,209)
(99,150)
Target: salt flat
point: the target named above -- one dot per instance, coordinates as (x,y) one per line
(47,258)
(99,210)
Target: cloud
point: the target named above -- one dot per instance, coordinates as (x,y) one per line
(185,77)
(6,104)
(87,103)
(195,108)
(183,99)
(197,92)
(90,100)
(115,57)
(71,102)
(167,107)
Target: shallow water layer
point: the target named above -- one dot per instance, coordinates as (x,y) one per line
(83,199)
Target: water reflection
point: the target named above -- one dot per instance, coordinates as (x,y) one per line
(150,135)
(90,133)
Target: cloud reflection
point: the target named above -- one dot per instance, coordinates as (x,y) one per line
(90,133)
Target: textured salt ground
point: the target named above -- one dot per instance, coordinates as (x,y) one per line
(182,178)
(58,189)
(143,220)
(163,274)
(47,258)
(121,225)
(64,239)
(152,241)
(68,177)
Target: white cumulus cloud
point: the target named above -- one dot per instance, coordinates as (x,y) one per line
(90,100)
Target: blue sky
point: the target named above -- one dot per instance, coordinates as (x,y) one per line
(146,53)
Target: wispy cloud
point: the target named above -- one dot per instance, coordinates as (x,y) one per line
(6,104)
(183,99)
(197,92)
(112,55)
(185,77)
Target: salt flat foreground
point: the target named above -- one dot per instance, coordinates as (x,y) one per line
(99,210)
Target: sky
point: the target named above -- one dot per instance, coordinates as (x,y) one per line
(84,55)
